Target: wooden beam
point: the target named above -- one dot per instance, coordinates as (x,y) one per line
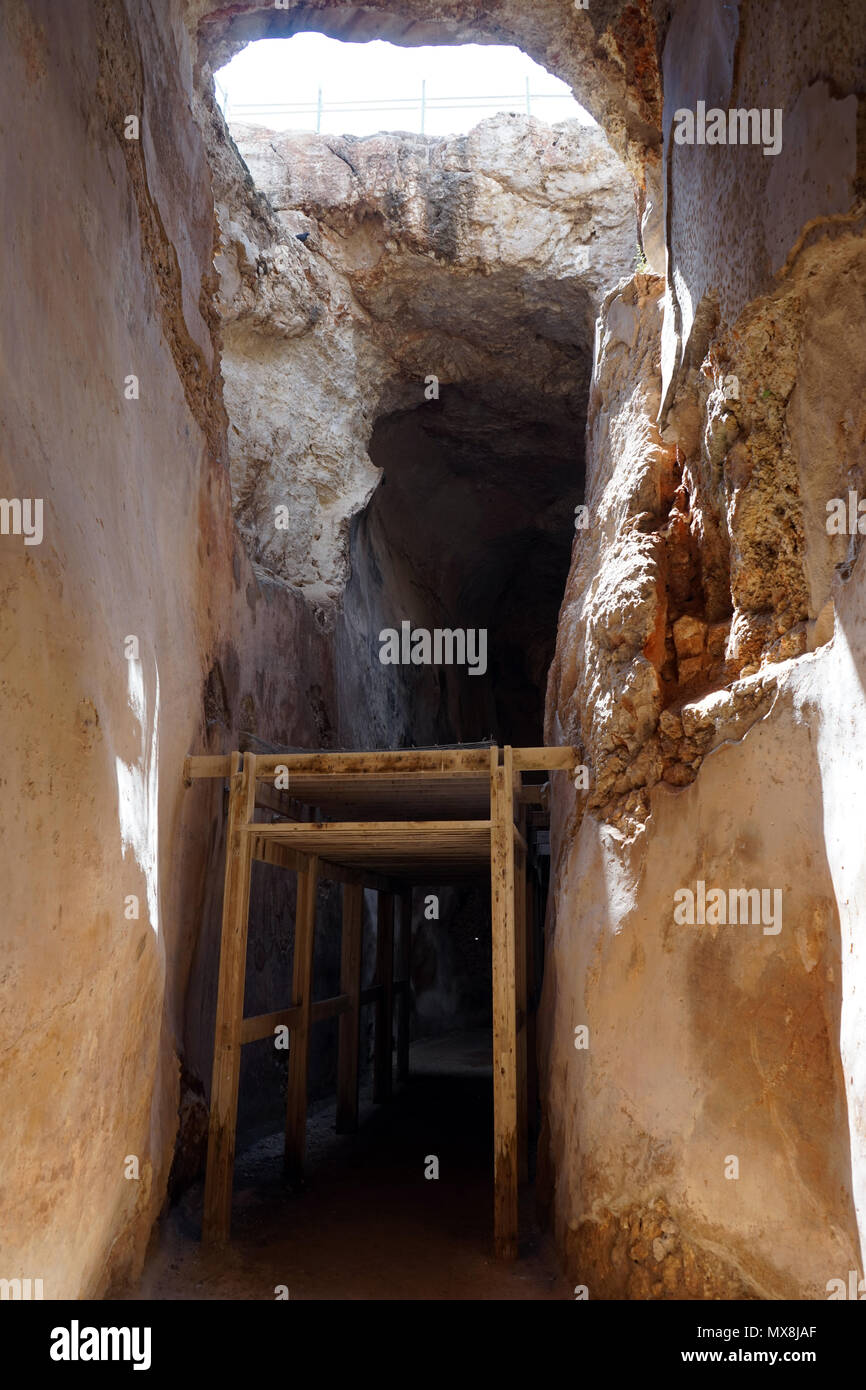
(405,998)
(272,852)
(378,762)
(531,796)
(418,832)
(219,765)
(505,1170)
(387,847)
(372,994)
(299,1051)
(269,799)
(383,1063)
(261,1026)
(545,759)
(216,1219)
(350,1021)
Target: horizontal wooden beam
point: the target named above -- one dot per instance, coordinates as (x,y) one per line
(372,994)
(263,1025)
(545,759)
(270,852)
(259,1026)
(322,1009)
(376,763)
(269,799)
(530,796)
(206,766)
(319,832)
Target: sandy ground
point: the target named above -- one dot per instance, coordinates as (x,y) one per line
(369,1225)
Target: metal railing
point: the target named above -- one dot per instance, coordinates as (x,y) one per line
(422,103)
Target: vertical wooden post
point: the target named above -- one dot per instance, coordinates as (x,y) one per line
(532,1000)
(520,971)
(383,1070)
(505,1209)
(350,1021)
(216,1220)
(405,971)
(299,1048)
(521,992)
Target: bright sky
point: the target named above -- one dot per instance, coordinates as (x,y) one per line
(464,85)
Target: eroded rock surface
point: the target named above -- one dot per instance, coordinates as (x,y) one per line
(480,261)
(707,648)
(702,679)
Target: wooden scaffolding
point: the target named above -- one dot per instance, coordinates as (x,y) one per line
(384,821)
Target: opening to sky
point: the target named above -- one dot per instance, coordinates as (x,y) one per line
(311,82)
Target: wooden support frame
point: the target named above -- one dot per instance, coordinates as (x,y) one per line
(463,760)
(378,854)
(350,1021)
(383,1070)
(299,1048)
(216,1220)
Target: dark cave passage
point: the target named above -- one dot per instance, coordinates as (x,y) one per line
(470,529)
(369,1224)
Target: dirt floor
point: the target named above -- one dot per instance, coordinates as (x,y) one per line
(369,1224)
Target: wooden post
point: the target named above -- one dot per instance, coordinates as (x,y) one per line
(216,1220)
(532,1001)
(520,971)
(382,1075)
(299,1047)
(350,1021)
(521,1000)
(405,970)
(505,1210)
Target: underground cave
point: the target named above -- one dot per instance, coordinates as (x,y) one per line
(378,968)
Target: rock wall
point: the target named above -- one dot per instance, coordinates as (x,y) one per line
(108,273)
(707,662)
(711,637)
